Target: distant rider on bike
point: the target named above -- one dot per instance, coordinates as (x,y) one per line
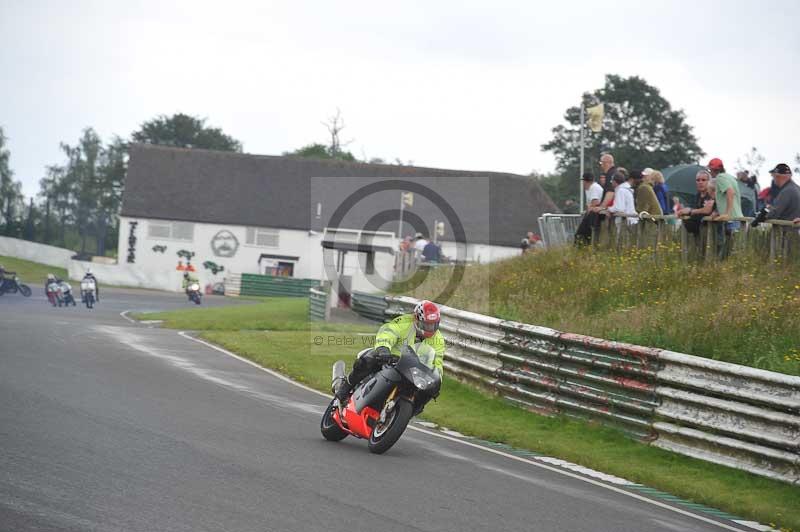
(421,326)
(3,273)
(89,276)
(51,279)
(188,279)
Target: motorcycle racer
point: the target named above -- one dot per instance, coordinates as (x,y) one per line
(188,279)
(90,276)
(421,326)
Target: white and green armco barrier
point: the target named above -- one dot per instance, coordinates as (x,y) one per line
(742,417)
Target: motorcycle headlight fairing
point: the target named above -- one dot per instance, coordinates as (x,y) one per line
(420,379)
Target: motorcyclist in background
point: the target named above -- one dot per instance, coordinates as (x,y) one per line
(421,326)
(51,279)
(188,279)
(3,273)
(89,276)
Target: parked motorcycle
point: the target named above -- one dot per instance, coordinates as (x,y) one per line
(380,407)
(12,286)
(193,291)
(88,292)
(54,294)
(65,291)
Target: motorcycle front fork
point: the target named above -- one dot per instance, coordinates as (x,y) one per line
(388,406)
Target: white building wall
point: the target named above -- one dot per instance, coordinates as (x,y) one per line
(306,245)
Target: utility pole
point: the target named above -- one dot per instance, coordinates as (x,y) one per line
(580,177)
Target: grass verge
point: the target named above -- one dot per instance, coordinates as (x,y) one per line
(305,352)
(31,273)
(277,313)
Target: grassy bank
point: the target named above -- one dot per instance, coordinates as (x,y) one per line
(740,311)
(264,314)
(305,352)
(31,273)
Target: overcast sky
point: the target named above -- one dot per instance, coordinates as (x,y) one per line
(451,84)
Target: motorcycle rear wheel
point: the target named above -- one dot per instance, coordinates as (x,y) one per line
(386,434)
(330,430)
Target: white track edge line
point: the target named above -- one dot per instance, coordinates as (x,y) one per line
(124,314)
(660,504)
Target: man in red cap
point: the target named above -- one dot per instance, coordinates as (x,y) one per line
(728,203)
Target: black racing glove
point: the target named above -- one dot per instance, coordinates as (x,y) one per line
(383,354)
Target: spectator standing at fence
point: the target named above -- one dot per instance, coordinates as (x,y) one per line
(431,253)
(728,205)
(536,243)
(703,204)
(419,243)
(787,202)
(645,196)
(593,191)
(624,202)
(769,194)
(729,202)
(591,219)
(609,169)
(656,180)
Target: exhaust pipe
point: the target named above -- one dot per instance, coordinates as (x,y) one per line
(338,374)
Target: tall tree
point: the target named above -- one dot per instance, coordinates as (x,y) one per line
(11,199)
(185,131)
(112,170)
(334,150)
(48,191)
(639,128)
(752,163)
(29,231)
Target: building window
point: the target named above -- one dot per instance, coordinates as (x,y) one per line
(283,269)
(171,230)
(265,238)
(370,263)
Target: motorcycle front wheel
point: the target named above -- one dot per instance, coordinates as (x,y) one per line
(25,290)
(330,430)
(386,434)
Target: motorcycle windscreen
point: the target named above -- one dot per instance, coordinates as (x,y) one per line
(426,354)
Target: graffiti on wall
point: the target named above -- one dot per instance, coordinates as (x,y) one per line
(132,242)
(214,267)
(158,248)
(185,254)
(224,244)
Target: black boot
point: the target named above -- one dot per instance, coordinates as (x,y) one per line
(342,390)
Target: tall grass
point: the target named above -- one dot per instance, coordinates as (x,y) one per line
(741,310)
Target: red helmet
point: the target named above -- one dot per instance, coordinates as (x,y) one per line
(426,318)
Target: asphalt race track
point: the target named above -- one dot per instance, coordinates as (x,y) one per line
(109,425)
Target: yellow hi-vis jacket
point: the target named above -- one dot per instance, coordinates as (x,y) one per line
(186,281)
(400,331)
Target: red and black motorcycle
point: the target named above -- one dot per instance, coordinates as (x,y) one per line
(380,406)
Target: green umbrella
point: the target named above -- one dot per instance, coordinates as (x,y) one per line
(680,180)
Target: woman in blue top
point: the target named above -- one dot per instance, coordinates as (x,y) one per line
(659,187)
